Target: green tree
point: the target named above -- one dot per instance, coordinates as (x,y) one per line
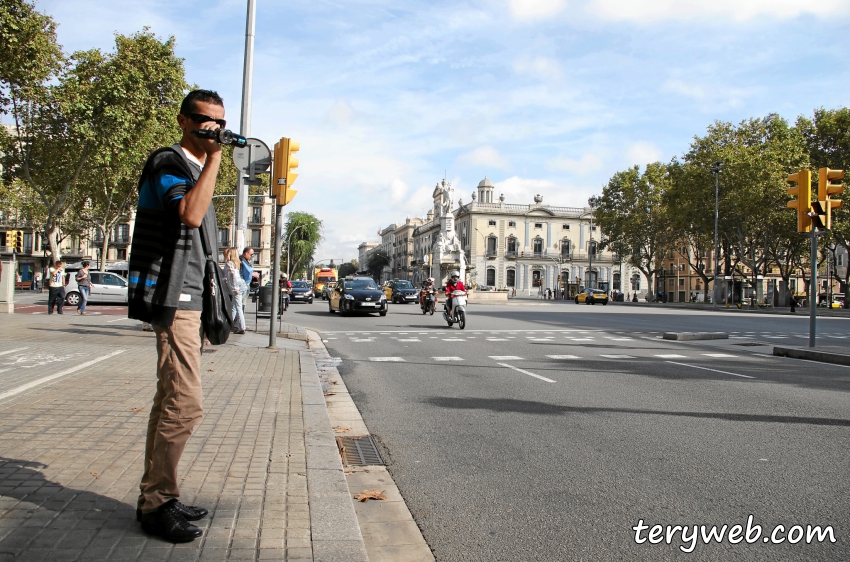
(376,262)
(138,92)
(347,269)
(633,216)
(302,235)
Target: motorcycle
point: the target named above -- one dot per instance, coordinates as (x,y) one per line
(458,310)
(429,301)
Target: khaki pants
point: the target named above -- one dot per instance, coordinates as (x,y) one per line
(176,407)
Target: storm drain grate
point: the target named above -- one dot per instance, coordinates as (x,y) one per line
(358,451)
(750,344)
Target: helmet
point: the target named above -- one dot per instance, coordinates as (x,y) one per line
(454,274)
(430,280)
(284,275)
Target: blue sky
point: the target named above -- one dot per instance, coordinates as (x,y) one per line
(542,96)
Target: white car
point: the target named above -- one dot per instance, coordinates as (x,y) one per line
(105,287)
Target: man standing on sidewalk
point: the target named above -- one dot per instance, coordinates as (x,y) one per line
(166,289)
(84,283)
(56,289)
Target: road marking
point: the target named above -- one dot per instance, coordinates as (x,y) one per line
(447,358)
(505,358)
(39,382)
(387,359)
(529,373)
(498,339)
(562,356)
(13,350)
(671,356)
(618,356)
(453,339)
(580,339)
(116,320)
(620,339)
(721,355)
(369,340)
(714,370)
(412,339)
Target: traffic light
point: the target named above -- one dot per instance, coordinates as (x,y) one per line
(803,203)
(284,164)
(827,188)
(15,239)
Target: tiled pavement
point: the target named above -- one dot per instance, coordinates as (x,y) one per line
(71,450)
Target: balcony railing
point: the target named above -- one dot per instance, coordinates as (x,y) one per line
(490,253)
(511,254)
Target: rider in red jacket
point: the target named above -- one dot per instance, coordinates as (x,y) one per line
(454,284)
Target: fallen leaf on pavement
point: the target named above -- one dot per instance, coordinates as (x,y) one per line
(93,474)
(342,429)
(330,394)
(211,370)
(367,495)
(137,409)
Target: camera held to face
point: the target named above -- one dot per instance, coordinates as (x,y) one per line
(222,136)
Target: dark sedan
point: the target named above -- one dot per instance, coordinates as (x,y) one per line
(301,292)
(357,295)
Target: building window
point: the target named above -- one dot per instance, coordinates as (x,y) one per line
(681,282)
(27,247)
(512,223)
(538,225)
(565,248)
(491,277)
(224,237)
(593,229)
(122,233)
(491,223)
(491,245)
(591,248)
(538,246)
(566,227)
(255,238)
(511,278)
(511,245)
(121,254)
(256,214)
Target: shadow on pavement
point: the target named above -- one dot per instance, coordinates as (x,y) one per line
(542,408)
(58,518)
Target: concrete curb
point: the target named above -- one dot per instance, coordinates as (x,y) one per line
(812,355)
(693,336)
(389,531)
(334,529)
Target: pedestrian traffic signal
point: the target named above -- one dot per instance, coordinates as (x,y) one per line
(826,188)
(284,164)
(803,204)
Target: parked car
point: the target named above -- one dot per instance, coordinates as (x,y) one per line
(106,287)
(358,294)
(592,296)
(301,292)
(401,291)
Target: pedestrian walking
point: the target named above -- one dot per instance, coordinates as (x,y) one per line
(38,283)
(166,287)
(246,268)
(237,283)
(794,304)
(56,289)
(84,283)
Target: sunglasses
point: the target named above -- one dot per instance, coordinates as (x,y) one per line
(201,118)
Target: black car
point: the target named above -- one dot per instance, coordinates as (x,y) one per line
(359,294)
(301,292)
(402,291)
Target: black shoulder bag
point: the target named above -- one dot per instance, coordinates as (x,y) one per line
(217,313)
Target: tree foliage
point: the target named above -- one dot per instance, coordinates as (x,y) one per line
(302,235)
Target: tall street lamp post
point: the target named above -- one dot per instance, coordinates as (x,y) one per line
(715,169)
(593,201)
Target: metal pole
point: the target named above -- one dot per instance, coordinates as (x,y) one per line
(716,244)
(245,123)
(275,272)
(590,253)
(813,290)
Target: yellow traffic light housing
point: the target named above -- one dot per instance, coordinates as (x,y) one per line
(826,188)
(284,164)
(803,204)
(15,239)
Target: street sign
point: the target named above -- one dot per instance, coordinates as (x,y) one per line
(255,155)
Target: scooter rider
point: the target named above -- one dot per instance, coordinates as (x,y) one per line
(427,285)
(454,284)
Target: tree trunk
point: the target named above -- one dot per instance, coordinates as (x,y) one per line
(53,241)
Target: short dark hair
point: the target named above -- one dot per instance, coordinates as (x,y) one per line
(246,249)
(208,96)
(86,263)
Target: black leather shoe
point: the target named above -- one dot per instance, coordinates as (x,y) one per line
(189,512)
(167,522)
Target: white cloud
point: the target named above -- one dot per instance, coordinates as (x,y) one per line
(737,10)
(543,68)
(341,113)
(522,191)
(643,153)
(587,163)
(533,9)
(484,156)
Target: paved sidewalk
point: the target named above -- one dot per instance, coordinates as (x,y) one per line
(263,460)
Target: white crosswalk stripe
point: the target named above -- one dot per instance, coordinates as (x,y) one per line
(447,358)
(562,356)
(505,357)
(618,356)
(412,339)
(387,359)
(671,356)
(719,355)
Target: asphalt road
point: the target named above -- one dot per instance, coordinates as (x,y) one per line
(549,432)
